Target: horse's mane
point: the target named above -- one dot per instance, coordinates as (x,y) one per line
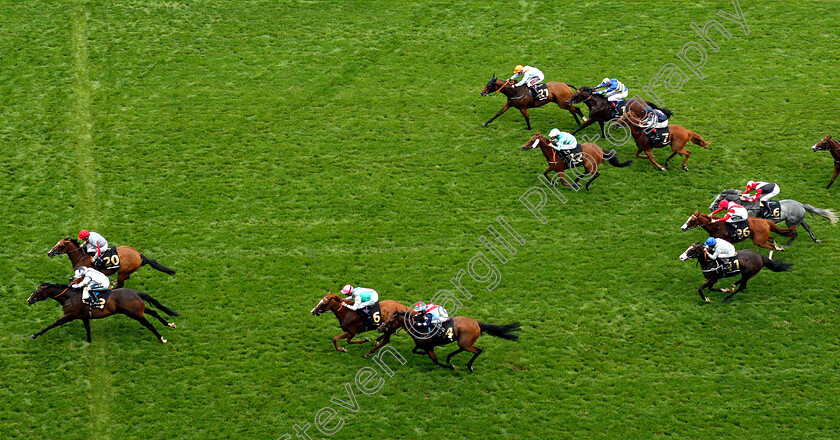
(74,241)
(57,286)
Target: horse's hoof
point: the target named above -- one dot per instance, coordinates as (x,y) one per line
(708,300)
(171,324)
(817,241)
(685,168)
(449,367)
(163,341)
(724,300)
(367,339)
(483,124)
(367,355)
(32,336)
(343,350)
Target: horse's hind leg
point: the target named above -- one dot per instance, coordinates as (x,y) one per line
(525,115)
(159,318)
(335,340)
(807,228)
(650,157)
(477,352)
(121,277)
(742,284)
(148,325)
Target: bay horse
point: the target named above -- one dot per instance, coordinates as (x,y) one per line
(749,262)
(131,303)
(790,211)
(129,259)
(679,136)
(759,230)
(520,98)
(600,109)
(466,331)
(592,156)
(833,147)
(350,321)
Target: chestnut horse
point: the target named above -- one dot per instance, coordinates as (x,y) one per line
(678,138)
(749,263)
(466,331)
(129,259)
(759,230)
(592,156)
(520,97)
(600,109)
(131,303)
(352,323)
(833,147)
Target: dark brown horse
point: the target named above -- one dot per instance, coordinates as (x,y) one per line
(677,140)
(465,330)
(131,303)
(520,98)
(351,323)
(600,109)
(749,263)
(129,259)
(592,156)
(759,230)
(833,147)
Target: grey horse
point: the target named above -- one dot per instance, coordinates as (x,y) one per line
(792,212)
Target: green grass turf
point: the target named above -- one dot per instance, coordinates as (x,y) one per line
(273,151)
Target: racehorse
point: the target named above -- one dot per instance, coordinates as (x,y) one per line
(833,147)
(592,156)
(759,230)
(465,330)
(129,259)
(351,323)
(679,136)
(600,110)
(749,263)
(790,211)
(131,303)
(520,98)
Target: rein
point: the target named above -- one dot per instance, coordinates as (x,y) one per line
(62,292)
(500,88)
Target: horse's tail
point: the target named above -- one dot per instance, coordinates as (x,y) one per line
(613,160)
(156,265)
(776,265)
(148,298)
(787,232)
(697,139)
(824,213)
(509,332)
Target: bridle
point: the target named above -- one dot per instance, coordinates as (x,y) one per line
(80,248)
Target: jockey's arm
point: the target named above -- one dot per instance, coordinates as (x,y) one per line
(515,75)
(724,218)
(717,211)
(356,303)
(85,281)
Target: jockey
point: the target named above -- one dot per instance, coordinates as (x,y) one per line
(735,212)
(362,297)
(719,248)
(93,281)
(94,245)
(764,191)
(560,140)
(615,90)
(657,120)
(430,314)
(531,76)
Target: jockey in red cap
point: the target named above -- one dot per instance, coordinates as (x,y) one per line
(735,212)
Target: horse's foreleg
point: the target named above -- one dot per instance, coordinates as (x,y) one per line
(525,115)
(650,157)
(60,321)
(335,340)
(504,109)
(836,172)
(708,284)
(594,176)
(87,328)
(449,357)
(351,341)
(433,356)
(121,277)
(385,339)
(418,350)
(585,124)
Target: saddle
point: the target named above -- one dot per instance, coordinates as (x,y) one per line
(738,230)
(540,92)
(371,316)
(660,137)
(100,298)
(617,109)
(573,157)
(109,260)
(728,267)
(771,210)
(445,331)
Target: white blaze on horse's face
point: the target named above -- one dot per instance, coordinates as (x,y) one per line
(315,311)
(684,227)
(684,256)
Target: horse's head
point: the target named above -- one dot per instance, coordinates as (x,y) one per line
(326,303)
(64,246)
(693,251)
(534,142)
(45,291)
(392,323)
(493,86)
(580,95)
(728,194)
(692,222)
(825,144)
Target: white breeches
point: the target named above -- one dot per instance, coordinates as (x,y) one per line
(616,95)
